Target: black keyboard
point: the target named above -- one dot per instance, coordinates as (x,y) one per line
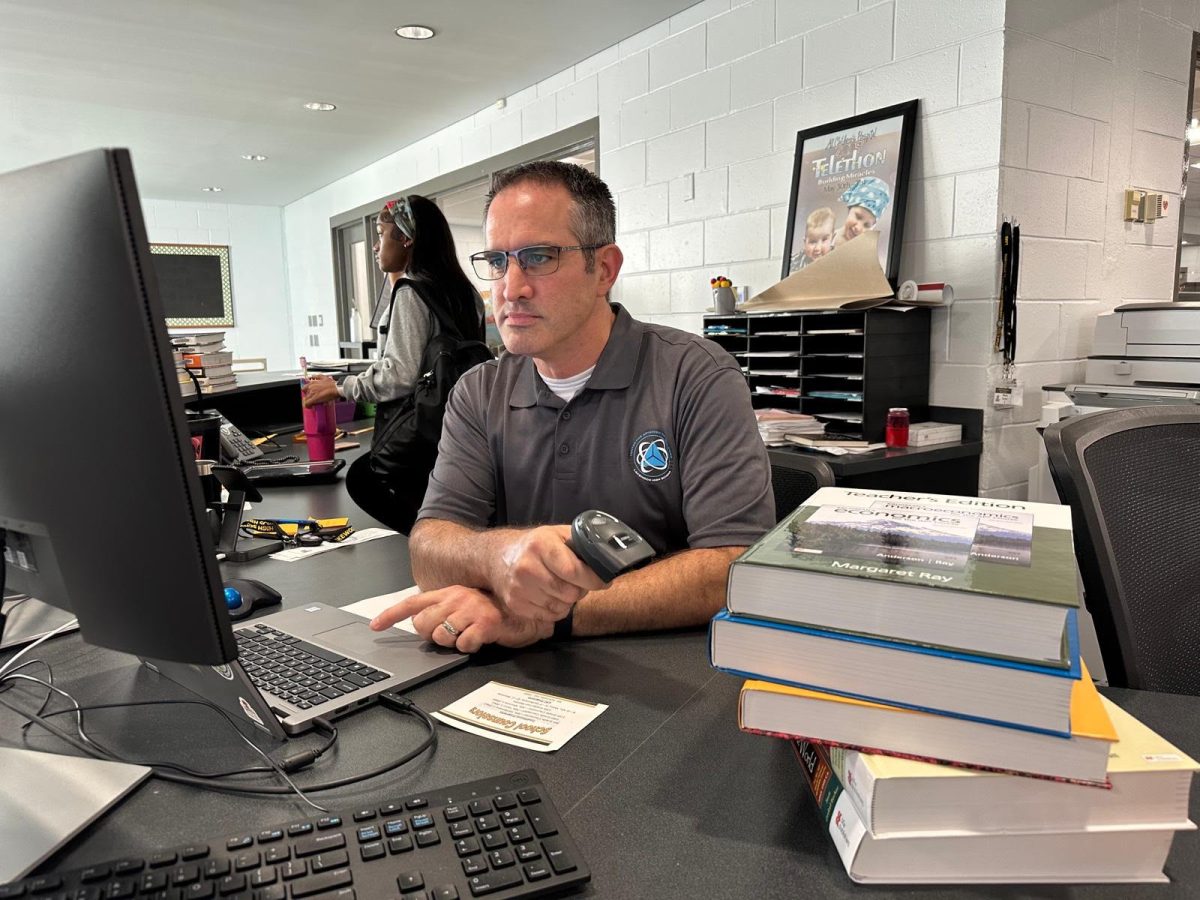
(497,837)
(301,673)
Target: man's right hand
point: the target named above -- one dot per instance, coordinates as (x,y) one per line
(539,577)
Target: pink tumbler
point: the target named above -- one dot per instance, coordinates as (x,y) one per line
(320,425)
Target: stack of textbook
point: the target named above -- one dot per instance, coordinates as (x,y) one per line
(922,650)
(187,387)
(208,366)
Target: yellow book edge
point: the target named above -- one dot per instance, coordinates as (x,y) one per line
(1088,716)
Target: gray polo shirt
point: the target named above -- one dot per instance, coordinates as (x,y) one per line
(663,437)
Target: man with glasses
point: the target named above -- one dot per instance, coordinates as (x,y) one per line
(589,408)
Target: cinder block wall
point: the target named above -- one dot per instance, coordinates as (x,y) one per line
(715,96)
(1095,101)
(258,270)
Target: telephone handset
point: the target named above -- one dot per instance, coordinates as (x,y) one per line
(236,448)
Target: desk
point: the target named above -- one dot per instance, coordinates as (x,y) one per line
(260,400)
(664,795)
(938,468)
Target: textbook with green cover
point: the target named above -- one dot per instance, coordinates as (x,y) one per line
(986,576)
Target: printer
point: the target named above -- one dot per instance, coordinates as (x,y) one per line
(1143,354)
(1147,344)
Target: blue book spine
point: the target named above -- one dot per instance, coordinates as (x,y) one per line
(1073,673)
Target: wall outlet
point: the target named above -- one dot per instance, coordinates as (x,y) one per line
(688,191)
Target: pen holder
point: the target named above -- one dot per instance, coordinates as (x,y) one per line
(724,300)
(320,425)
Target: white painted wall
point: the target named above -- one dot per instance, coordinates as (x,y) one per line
(1043,111)
(719,92)
(258,268)
(1095,101)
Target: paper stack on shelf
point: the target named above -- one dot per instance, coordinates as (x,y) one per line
(775,424)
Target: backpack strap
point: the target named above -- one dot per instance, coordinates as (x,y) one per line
(443,322)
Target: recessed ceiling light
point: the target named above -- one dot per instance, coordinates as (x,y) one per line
(414,32)
(213,189)
(317,106)
(254,157)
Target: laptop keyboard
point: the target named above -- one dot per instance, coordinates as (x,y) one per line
(301,673)
(499,837)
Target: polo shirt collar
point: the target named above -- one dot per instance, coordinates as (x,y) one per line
(614,368)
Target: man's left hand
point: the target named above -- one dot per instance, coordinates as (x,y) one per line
(475,619)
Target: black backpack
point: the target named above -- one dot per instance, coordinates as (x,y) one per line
(407,429)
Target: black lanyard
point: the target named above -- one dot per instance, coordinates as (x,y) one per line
(1006,316)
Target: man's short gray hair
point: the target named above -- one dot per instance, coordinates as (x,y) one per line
(593,214)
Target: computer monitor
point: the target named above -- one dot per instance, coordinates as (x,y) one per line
(99,495)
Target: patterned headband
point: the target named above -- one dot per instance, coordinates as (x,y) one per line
(402,216)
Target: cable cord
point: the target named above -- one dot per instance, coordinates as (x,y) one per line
(392,701)
(291,763)
(71,623)
(95,749)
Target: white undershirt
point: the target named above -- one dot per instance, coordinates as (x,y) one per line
(566,388)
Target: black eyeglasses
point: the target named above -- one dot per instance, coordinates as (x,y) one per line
(490,265)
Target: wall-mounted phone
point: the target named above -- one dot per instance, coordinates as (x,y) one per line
(236,448)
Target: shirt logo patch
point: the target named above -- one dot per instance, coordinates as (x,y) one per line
(651,456)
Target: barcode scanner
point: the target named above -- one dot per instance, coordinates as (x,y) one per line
(607,545)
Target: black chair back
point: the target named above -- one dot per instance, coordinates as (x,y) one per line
(1132,480)
(795,480)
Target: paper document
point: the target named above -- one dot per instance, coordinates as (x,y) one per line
(849,278)
(521,717)
(373,606)
(293,554)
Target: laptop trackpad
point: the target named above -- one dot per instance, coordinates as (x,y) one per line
(357,640)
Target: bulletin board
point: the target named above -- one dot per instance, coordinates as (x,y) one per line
(194,284)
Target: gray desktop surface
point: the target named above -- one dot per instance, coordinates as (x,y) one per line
(664,795)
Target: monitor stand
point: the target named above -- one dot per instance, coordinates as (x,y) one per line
(29,619)
(46,799)
(235,546)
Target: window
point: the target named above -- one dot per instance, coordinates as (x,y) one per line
(461,196)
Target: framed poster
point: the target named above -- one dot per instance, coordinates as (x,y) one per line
(194,284)
(850,176)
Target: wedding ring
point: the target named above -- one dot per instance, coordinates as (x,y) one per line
(450,628)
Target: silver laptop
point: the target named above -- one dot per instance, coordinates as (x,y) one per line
(314,660)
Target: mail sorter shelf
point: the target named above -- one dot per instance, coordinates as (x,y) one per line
(846,368)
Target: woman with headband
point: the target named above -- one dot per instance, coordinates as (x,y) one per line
(416,250)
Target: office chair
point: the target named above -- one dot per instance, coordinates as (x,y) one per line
(1132,480)
(795,480)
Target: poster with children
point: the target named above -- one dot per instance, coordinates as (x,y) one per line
(850,177)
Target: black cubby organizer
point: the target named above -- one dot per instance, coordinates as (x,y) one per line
(847,368)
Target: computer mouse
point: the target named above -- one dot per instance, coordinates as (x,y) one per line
(607,545)
(244,595)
